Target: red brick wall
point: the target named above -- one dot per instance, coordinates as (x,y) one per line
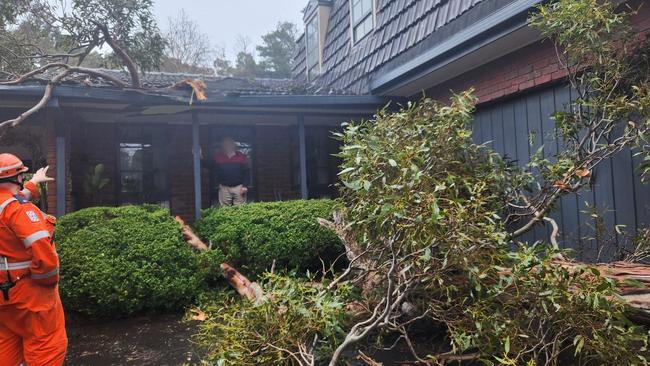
(94,143)
(273,163)
(181,171)
(526,68)
(53,126)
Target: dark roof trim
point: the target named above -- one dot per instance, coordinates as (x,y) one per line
(148,98)
(498,24)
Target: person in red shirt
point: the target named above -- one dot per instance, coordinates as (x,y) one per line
(233,173)
(32,323)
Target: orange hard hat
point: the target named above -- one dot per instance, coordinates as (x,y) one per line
(11,166)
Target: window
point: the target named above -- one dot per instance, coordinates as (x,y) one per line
(363,20)
(322,164)
(143,166)
(313,49)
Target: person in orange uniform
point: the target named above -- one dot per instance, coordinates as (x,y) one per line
(32,324)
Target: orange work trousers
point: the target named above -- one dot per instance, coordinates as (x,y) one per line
(32,338)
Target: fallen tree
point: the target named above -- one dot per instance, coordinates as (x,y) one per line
(250,290)
(126,27)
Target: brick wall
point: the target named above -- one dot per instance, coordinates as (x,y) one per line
(530,67)
(95,143)
(55,125)
(273,163)
(181,171)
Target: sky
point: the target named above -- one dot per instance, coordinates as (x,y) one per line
(224,20)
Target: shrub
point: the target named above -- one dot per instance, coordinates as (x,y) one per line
(296,316)
(253,236)
(124,260)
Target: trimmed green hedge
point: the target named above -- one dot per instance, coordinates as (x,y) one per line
(117,261)
(252,236)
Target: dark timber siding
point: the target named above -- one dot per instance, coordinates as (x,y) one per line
(517,128)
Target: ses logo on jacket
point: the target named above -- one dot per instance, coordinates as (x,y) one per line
(33,217)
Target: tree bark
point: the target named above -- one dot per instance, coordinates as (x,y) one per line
(250,290)
(121,53)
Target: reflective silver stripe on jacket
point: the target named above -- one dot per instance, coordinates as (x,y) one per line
(16,265)
(38,276)
(28,241)
(6,203)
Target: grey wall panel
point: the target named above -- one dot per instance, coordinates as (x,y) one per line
(570,219)
(536,135)
(509,131)
(641,198)
(521,132)
(520,126)
(623,177)
(547,107)
(496,123)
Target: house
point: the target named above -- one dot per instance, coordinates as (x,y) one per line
(150,141)
(353,57)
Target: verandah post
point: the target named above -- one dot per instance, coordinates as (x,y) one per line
(196,157)
(304,191)
(55,113)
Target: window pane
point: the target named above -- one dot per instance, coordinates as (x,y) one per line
(143,165)
(131,182)
(363,29)
(130,156)
(362,19)
(357,14)
(313,56)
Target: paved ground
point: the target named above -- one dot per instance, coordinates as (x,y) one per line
(160,340)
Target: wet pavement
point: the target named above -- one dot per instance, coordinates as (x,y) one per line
(164,340)
(161,340)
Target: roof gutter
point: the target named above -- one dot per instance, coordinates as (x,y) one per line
(66,93)
(502,22)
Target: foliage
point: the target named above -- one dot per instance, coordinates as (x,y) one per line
(187,48)
(95,180)
(425,203)
(120,261)
(254,236)
(296,315)
(131,23)
(71,32)
(277,50)
(607,67)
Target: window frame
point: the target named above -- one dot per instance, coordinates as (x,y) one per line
(372,15)
(165,193)
(308,50)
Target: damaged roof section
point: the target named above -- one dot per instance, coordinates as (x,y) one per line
(176,85)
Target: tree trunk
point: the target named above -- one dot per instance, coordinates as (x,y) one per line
(250,290)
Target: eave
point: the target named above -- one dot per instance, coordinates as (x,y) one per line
(497,34)
(150,101)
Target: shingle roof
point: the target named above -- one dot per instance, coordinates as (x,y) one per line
(222,85)
(215,86)
(401,25)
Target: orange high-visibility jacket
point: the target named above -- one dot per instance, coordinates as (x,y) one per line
(27,250)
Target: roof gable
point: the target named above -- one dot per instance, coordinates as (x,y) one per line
(400,25)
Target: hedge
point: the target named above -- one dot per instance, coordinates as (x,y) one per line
(254,235)
(120,261)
